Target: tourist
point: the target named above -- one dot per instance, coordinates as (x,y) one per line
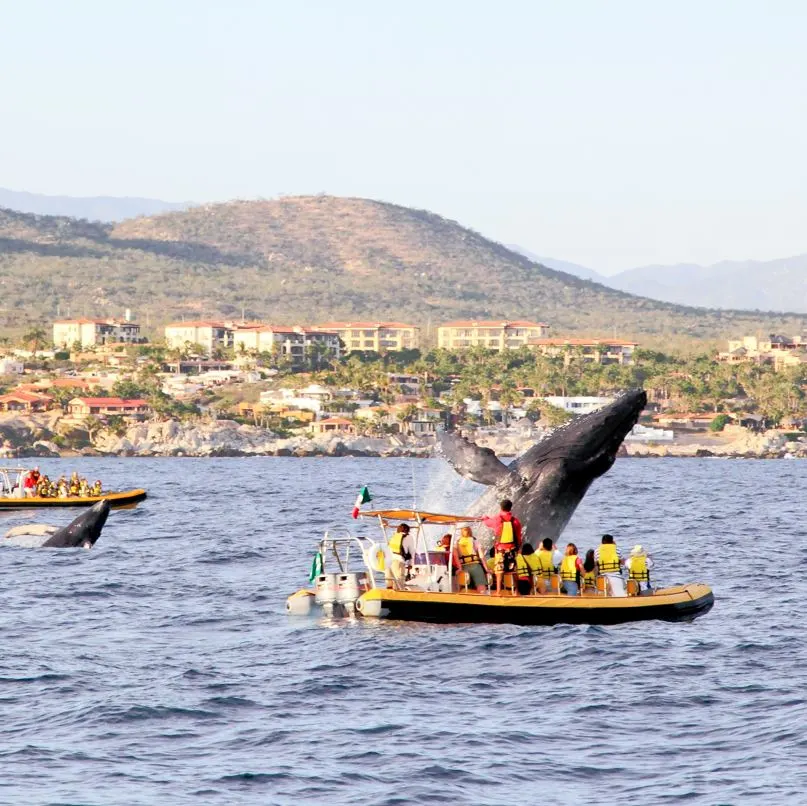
(545,561)
(507,529)
(528,570)
(95,490)
(29,485)
(571,568)
(75,484)
(400,544)
(639,565)
(609,565)
(468,557)
(589,575)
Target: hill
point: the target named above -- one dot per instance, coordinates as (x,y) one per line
(771,285)
(304,259)
(93,208)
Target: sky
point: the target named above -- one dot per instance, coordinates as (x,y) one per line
(611,134)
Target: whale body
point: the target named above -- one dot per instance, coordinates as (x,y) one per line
(83,532)
(548,481)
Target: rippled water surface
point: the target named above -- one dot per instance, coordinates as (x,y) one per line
(160,668)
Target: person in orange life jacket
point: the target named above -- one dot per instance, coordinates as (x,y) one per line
(571,571)
(639,564)
(468,556)
(507,529)
(400,545)
(609,565)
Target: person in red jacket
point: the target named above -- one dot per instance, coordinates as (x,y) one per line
(507,528)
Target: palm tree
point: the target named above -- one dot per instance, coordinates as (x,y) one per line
(35,339)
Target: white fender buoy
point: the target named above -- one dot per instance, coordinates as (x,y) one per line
(299,604)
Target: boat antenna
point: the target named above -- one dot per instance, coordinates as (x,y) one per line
(414,487)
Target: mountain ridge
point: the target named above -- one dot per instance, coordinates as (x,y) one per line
(311,258)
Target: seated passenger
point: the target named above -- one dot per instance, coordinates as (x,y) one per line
(639,565)
(545,560)
(609,565)
(570,571)
(589,573)
(95,490)
(468,556)
(528,569)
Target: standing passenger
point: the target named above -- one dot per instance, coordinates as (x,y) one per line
(400,544)
(507,529)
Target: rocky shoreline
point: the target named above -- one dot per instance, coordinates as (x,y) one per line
(46,435)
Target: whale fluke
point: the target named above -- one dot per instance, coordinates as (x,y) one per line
(469,460)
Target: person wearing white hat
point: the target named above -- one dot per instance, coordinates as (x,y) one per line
(639,565)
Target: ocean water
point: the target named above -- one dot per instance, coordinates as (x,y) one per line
(161,668)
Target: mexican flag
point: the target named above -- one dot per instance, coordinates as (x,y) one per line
(316,567)
(363,498)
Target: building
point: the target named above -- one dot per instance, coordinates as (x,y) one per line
(578,405)
(105,406)
(92,332)
(11,366)
(297,344)
(333,425)
(598,351)
(498,335)
(25,401)
(209,335)
(782,351)
(377,336)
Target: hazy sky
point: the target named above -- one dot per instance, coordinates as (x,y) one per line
(611,134)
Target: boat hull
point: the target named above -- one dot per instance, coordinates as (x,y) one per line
(680,603)
(122,500)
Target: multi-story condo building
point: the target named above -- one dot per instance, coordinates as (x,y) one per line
(209,335)
(598,351)
(295,343)
(91,332)
(378,336)
(497,335)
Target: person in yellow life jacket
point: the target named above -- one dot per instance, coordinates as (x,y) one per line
(468,557)
(400,546)
(609,565)
(639,565)
(545,566)
(95,490)
(571,568)
(528,569)
(588,582)
(507,529)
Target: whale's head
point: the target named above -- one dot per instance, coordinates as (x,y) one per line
(84,531)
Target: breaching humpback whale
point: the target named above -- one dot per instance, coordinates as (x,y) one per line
(81,533)
(547,482)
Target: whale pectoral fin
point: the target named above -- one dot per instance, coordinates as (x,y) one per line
(469,460)
(37,529)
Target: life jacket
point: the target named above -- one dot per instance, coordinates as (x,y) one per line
(396,545)
(532,562)
(543,559)
(568,568)
(522,568)
(609,559)
(589,577)
(465,548)
(638,569)
(507,535)
(491,563)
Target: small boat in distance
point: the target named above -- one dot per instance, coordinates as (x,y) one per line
(12,495)
(434,593)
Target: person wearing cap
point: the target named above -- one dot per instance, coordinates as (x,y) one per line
(639,565)
(609,565)
(400,545)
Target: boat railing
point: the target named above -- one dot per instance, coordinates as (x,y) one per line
(339,549)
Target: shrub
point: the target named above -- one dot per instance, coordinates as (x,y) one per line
(719,422)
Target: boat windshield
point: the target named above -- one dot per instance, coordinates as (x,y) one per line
(11,480)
